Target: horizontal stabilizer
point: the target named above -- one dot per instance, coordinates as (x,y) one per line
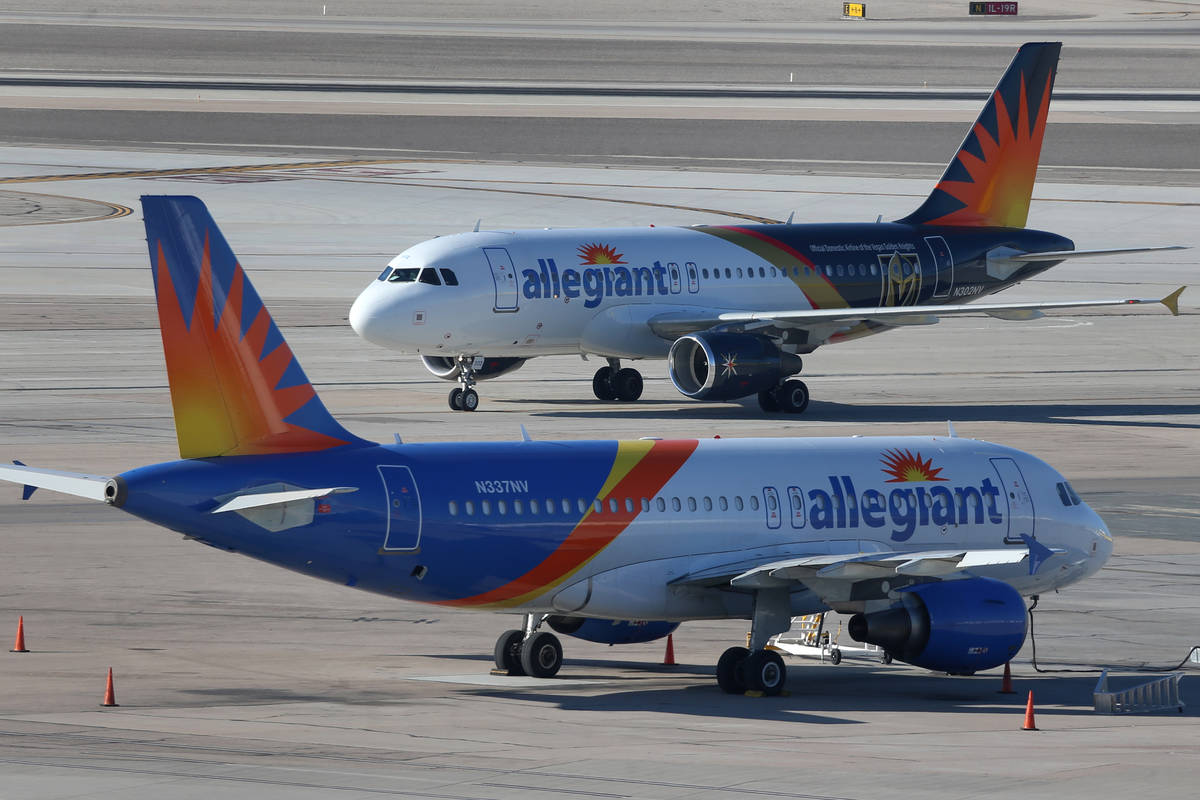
(1062,255)
(265,499)
(76,483)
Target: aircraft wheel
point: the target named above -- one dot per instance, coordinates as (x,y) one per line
(768,401)
(835,656)
(470,400)
(729,672)
(628,384)
(886,658)
(602,384)
(456,399)
(765,672)
(793,396)
(541,655)
(508,652)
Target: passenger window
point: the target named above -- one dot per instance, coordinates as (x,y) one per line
(501,507)
(740,275)
(454,508)
(754,502)
(628,505)
(660,503)
(675,504)
(728,272)
(403,275)
(485,506)
(762,273)
(582,505)
(469,506)
(566,506)
(598,506)
(722,503)
(704,272)
(518,507)
(645,504)
(691,504)
(448,277)
(429,275)
(533,507)
(386,271)
(707,501)
(737,502)
(874,269)
(612,504)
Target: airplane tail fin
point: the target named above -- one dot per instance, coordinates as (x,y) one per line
(990,179)
(236,388)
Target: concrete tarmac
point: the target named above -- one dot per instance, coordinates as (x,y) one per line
(235,676)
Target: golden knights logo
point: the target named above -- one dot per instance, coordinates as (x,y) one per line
(901,278)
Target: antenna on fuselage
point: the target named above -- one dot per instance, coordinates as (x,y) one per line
(953,434)
(791,216)
(396,436)
(476,228)
(879,219)
(525,437)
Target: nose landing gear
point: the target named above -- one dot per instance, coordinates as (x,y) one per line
(464,397)
(614,383)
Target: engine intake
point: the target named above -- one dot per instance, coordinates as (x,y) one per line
(447,368)
(958,627)
(726,366)
(610,631)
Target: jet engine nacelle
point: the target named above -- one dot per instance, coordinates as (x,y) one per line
(958,627)
(447,368)
(726,366)
(610,631)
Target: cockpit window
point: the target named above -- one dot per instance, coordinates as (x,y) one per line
(1066,494)
(448,277)
(383,275)
(1075,499)
(403,275)
(429,275)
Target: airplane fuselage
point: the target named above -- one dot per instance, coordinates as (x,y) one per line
(602,528)
(546,292)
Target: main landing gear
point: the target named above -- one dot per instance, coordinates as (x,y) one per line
(464,397)
(529,651)
(790,396)
(756,669)
(613,383)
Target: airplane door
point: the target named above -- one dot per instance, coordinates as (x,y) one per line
(403,533)
(771,504)
(943,265)
(693,276)
(673,273)
(796,502)
(1020,503)
(504,276)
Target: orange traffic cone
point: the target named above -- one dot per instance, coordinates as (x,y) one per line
(669,657)
(1006,684)
(1029,726)
(110,697)
(19,644)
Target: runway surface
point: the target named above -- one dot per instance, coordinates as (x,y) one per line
(236,677)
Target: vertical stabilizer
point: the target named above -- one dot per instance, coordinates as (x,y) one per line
(990,179)
(235,386)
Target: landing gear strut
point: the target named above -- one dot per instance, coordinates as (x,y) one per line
(464,397)
(613,383)
(756,669)
(529,651)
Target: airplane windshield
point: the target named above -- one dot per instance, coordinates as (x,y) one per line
(403,275)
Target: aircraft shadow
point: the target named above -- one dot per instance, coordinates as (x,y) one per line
(1075,414)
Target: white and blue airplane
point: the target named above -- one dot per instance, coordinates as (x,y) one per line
(930,542)
(735,308)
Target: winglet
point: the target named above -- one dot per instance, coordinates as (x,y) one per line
(26,490)
(1171,301)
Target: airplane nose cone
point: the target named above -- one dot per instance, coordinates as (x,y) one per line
(367,317)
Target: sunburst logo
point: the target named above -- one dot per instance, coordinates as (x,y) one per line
(906,467)
(596,253)
(729,365)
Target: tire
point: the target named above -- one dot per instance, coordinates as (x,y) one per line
(628,385)
(456,399)
(765,672)
(470,400)
(768,401)
(602,384)
(729,672)
(541,655)
(793,396)
(508,652)
(886,658)
(835,656)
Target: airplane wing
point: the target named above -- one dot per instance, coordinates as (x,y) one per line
(844,579)
(76,483)
(671,325)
